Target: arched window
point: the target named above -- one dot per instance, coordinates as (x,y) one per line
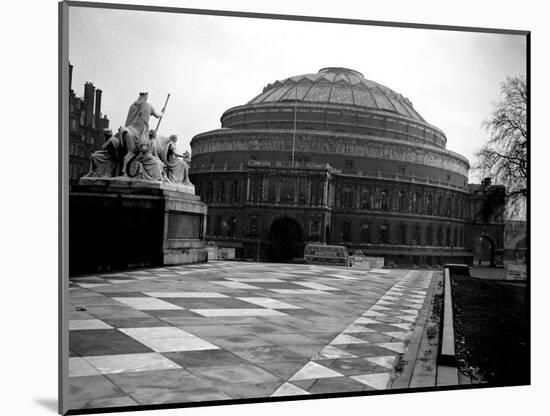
(417,203)
(448,207)
(377,199)
(365,233)
(401,201)
(231,226)
(347,197)
(235,191)
(456,237)
(365,198)
(448,239)
(209,191)
(402,235)
(384,200)
(440,236)
(346,231)
(383,233)
(429,204)
(221,192)
(416,235)
(440,208)
(218,225)
(429,236)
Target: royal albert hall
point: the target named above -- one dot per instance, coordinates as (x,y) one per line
(335,158)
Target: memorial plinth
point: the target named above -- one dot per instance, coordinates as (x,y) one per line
(119,223)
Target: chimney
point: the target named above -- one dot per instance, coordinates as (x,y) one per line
(89,90)
(98,103)
(70,77)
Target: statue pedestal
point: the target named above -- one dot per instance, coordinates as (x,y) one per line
(120,223)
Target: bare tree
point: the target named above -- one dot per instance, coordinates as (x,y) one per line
(504,156)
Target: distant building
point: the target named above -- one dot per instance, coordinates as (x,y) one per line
(515,240)
(86,124)
(332,157)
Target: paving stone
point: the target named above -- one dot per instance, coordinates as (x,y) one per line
(240,373)
(219,357)
(104,342)
(335,385)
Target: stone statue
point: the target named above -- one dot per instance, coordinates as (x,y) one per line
(144,161)
(136,151)
(134,135)
(176,168)
(107,162)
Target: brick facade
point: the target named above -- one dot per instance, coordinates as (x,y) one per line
(368,178)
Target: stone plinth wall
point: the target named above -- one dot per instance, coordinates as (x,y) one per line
(115,225)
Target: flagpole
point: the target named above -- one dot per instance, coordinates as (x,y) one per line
(294,130)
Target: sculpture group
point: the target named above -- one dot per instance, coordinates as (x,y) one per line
(137,152)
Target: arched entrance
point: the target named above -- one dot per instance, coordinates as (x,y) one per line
(484,251)
(285,240)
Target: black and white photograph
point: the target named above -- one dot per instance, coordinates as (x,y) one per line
(260,208)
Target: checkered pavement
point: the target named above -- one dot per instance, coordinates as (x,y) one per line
(228,330)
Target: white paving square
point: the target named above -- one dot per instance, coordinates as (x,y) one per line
(79,367)
(288,389)
(347,339)
(239,312)
(398,347)
(269,303)
(313,370)
(147,304)
(399,335)
(168,339)
(386,361)
(316,286)
(79,324)
(235,285)
(331,353)
(186,295)
(120,363)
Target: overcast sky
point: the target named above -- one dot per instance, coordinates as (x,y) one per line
(211,63)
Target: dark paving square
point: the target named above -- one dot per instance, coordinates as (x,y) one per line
(351,366)
(135,322)
(249,390)
(239,341)
(283,369)
(335,385)
(104,342)
(234,374)
(301,312)
(204,358)
(287,339)
(92,387)
(124,294)
(268,353)
(366,350)
(146,383)
(172,313)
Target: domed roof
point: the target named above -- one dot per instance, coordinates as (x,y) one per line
(337,86)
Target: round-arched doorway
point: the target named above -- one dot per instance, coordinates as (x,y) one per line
(285,240)
(484,251)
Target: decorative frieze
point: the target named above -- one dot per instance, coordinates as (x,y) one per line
(343,145)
